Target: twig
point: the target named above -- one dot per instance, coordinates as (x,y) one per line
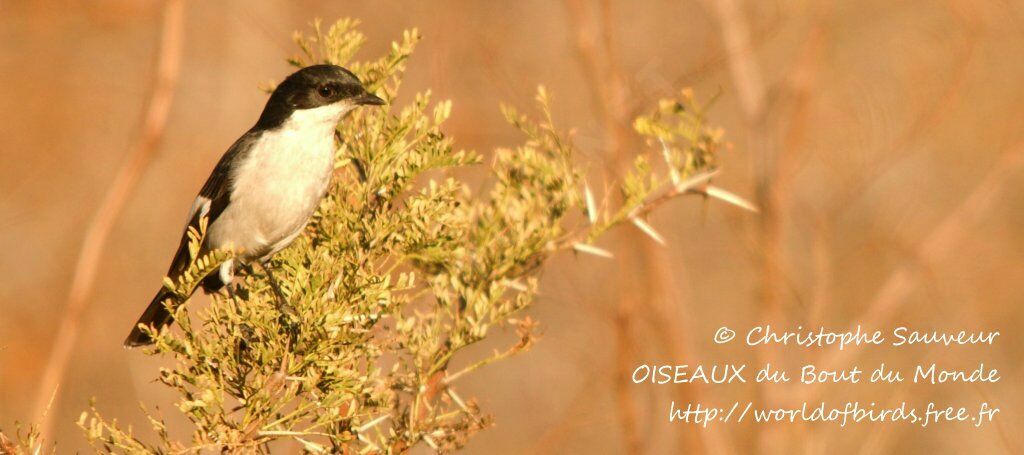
(746,74)
(750,89)
(673,326)
(608,91)
(98,232)
(450,378)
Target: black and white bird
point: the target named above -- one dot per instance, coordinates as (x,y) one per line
(266,186)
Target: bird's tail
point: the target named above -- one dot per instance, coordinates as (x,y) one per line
(156,315)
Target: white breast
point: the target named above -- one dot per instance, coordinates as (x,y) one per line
(279,184)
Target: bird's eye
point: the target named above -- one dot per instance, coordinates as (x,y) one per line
(325,91)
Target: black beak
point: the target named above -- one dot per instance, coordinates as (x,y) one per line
(368,99)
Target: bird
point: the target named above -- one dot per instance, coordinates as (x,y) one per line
(260,195)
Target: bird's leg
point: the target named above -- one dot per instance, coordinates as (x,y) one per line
(282,304)
(227,280)
(235,285)
(274,285)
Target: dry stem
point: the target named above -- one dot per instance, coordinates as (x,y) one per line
(98,232)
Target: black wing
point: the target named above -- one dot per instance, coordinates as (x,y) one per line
(213,198)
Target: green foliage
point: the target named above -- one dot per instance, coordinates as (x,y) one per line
(401,269)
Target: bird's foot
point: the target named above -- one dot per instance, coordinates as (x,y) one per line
(283,306)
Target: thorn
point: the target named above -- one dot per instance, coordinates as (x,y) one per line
(591,249)
(430,442)
(726,196)
(696,180)
(515,284)
(462,404)
(647,229)
(591,210)
(672,171)
(366,426)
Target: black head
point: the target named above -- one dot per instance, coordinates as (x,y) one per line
(312,87)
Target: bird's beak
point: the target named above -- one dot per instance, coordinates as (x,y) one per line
(368,99)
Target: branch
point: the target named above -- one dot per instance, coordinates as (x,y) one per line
(98,231)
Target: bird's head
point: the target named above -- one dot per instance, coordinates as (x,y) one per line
(315,94)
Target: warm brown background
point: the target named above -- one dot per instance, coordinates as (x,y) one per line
(895,196)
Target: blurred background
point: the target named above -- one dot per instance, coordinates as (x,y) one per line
(881,139)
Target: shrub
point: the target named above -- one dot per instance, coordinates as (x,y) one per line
(401,269)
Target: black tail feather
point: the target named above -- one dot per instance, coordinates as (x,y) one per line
(156,315)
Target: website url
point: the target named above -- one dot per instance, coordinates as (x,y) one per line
(842,413)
